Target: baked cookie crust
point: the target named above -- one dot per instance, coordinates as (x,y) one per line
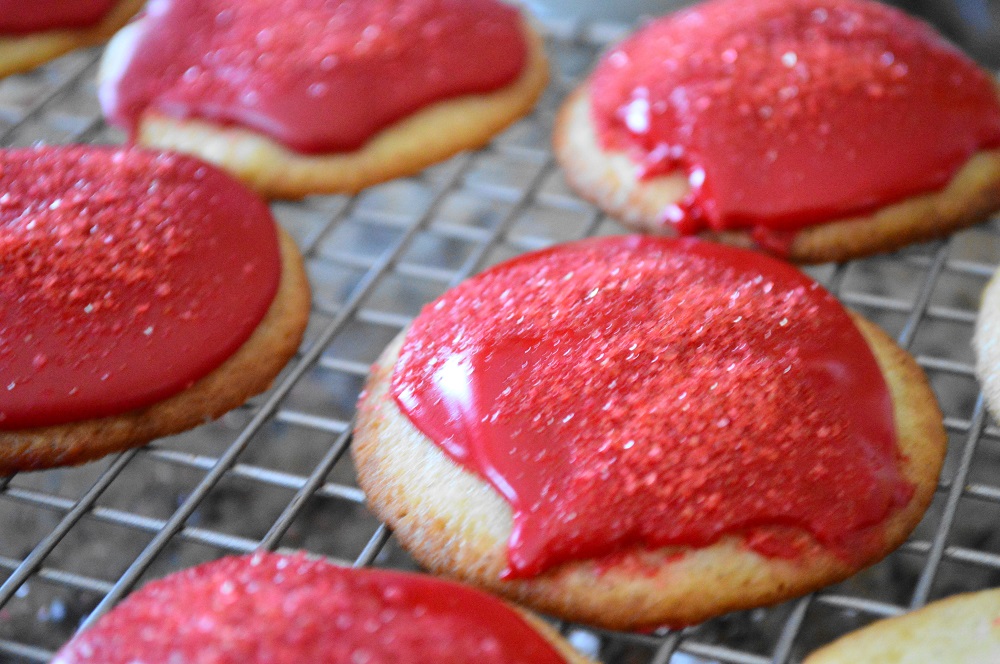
(428,136)
(456,525)
(247,372)
(986,342)
(609,180)
(20,53)
(960,630)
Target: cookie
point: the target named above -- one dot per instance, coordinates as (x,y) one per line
(34,33)
(144,294)
(279,609)
(296,98)
(986,343)
(817,130)
(964,629)
(636,432)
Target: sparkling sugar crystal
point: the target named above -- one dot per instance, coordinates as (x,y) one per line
(628,391)
(276,609)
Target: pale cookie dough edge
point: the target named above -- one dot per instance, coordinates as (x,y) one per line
(456,525)
(608,180)
(426,137)
(246,373)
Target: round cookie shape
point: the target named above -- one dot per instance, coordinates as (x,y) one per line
(129,276)
(143,294)
(604,403)
(315,79)
(963,629)
(646,416)
(32,33)
(764,121)
(17,17)
(281,609)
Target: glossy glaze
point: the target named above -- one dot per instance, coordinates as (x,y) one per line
(27,16)
(317,77)
(128,276)
(290,609)
(788,113)
(645,392)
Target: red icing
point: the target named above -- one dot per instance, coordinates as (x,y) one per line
(629,391)
(789,113)
(128,275)
(276,609)
(25,16)
(314,75)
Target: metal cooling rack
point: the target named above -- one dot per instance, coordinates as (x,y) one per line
(276,473)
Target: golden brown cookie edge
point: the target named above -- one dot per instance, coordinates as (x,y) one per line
(923,636)
(607,179)
(426,137)
(22,53)
(462,532)
(246,373)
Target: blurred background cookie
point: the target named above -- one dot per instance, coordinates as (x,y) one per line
(299,97)
(964,629)
(37,31)
(986,342)
(814,130)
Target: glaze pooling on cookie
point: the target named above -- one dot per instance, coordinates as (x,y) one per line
(789,113)
(127,276)
(317,77)
(645,392)
(27,16)
(288,609)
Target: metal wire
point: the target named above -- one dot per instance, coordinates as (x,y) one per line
(275,474)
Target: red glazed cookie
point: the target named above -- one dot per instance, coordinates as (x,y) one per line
(813,129)
(143,295)
(278,609)
(299,97)
(38,31)
(634,432)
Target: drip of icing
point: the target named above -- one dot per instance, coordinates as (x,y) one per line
(290,609)
(645,392)
(789,113)
(27,16)
(127,276)
(316,76)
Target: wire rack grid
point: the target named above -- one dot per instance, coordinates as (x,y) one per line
(275,473)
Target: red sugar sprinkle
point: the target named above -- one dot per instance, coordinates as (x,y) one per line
(102,253)
(278,609)
(72,238)
(789,113)
(317,76)
(638,391)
